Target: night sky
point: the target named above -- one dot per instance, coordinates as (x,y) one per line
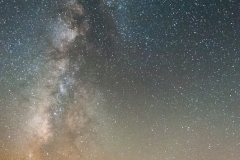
(120,80)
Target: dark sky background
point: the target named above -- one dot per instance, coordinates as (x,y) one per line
(120,80)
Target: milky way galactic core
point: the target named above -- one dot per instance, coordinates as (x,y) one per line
(119,80)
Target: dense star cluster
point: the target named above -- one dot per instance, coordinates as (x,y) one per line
(120,80)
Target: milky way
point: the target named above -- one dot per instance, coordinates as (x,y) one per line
(119,80)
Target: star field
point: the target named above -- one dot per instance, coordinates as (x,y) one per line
(120,80)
